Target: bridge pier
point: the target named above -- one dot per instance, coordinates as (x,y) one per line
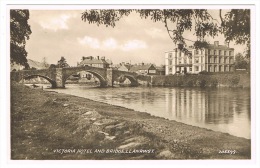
(110,77)
(59,78)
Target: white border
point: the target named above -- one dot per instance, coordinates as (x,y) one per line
(44,4)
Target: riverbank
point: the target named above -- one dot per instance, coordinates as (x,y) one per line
(48,125)
(199,80)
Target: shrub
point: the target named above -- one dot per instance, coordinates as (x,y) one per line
(202,83)
(204,72)
(214,82)
(235,80)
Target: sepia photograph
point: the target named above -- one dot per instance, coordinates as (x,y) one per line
(131,82)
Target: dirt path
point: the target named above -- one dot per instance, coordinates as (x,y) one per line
(49,125)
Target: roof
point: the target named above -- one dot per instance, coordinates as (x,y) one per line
(160,68)
(220,47)
(93,61)
(128,66)
(135,68)
(210,46)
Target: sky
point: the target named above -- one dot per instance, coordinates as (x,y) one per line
(57,33)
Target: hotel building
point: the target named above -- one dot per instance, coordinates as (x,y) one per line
(214,58)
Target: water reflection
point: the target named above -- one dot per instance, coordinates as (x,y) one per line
(225,110)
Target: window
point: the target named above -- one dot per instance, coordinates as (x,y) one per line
(225,53)
(211,69)
(170,70)
(215,52)
(152,71)
(219,52)
(196,68)
(208,52)
(227,69)
(179,54)
(170,62)
(196,60)
(226,60)
(215,60)
(230,53)
(190,60)
(197,52)
(231,61)
(170,55)
(185,61)
(211,60)
(190,69)
(215,69)
(179,61)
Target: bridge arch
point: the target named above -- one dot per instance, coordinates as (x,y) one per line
(131,78)
(102,80)
(53,83)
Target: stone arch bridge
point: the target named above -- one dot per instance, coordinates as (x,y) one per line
(58,76)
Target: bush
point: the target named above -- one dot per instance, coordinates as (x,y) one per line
(190,83)
(204,72)
(214,82)
(235,80)
(202,83)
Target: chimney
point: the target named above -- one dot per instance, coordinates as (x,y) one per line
(103,58)
(142,63)
(98,57)
(83,58)
(216,43)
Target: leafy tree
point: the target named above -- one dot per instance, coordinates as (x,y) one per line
(62,63)
(19,32)
(241,62)
(235,25)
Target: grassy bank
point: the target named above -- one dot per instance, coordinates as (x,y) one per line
(48,125)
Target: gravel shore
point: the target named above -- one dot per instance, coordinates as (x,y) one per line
(52,126)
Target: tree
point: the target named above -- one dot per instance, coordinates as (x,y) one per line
(44,63)
(241,62)
(235,25)
(19,32)
(62,63)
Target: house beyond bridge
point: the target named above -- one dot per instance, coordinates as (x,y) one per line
(58,76)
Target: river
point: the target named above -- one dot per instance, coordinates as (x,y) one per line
(219,109)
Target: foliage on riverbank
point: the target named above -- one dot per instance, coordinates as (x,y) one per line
(48,125)
(203,80)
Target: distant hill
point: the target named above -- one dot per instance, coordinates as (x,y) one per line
(37,65)
(32,64)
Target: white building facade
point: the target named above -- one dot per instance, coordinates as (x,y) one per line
(214,58)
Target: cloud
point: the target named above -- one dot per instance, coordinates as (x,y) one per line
(56,22)
(155,32)
(133,45)
(111,44)
(89,41)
